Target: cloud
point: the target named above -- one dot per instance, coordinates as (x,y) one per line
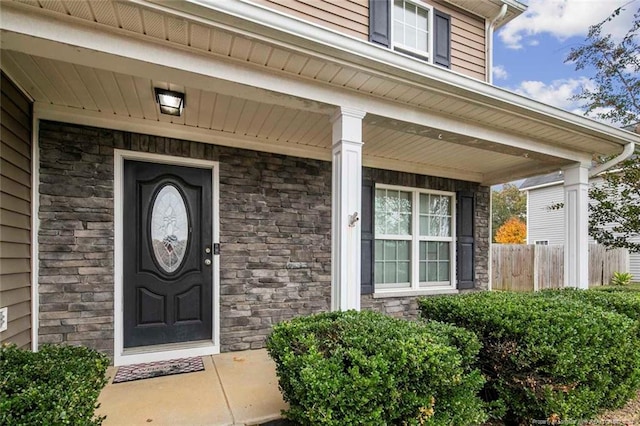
(558,93)
(499,72)
(565,18)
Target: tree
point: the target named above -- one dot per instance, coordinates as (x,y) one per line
(514,231)
(507,203)
(615,93)
(614,217)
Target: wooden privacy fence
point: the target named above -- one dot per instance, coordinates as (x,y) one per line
(520,267)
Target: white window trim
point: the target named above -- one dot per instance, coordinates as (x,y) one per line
(415,287)
(409,51)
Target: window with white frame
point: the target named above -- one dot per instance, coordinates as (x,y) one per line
(414,235)
(412,25)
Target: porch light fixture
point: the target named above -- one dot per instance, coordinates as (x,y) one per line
(171,103)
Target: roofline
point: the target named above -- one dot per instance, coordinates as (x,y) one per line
(518,9)
(543,185)
(298,34)
(515,7)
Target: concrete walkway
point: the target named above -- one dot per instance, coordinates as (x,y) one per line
(236,388)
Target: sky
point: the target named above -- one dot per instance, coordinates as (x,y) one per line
(529,52)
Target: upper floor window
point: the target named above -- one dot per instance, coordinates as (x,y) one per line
(412,25)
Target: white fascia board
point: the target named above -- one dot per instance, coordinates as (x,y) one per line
(514,10)
(298,34)
(79,43)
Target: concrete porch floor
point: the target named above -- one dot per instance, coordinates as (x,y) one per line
(236,388)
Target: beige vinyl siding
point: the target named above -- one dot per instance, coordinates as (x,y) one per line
(346,16)
(352,17)
(15,213)
(468,52)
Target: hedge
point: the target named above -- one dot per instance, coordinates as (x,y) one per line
(620,301)
(59,385)
(343,368)
(546,356)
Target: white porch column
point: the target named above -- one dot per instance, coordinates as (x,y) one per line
(345,209)
(576,217)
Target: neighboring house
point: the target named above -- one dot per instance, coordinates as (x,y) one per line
(308,156)
(546,225)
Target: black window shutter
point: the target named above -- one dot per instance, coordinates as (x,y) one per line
(442,39)
(380,22)
(465,231)
(368,239)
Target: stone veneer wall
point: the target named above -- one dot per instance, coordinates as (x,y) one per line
(407,307)
(275,234)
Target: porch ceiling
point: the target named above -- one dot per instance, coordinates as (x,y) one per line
(278,94)
(82,90)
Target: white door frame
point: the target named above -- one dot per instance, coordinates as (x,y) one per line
(163,352)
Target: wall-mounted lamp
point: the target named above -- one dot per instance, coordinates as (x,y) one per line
(171,103)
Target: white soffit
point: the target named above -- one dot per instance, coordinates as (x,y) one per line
(490,9)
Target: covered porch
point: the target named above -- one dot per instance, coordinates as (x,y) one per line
(254,80)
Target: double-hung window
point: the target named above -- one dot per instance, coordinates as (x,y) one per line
(414,239)
(412,28)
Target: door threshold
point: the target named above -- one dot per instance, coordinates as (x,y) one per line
(166,347)
(143,354)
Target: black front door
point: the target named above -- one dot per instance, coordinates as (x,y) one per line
(167,254)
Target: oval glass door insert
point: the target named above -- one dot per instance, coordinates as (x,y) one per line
(169,228)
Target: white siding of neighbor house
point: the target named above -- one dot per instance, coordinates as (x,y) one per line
(546,224)
(634,262)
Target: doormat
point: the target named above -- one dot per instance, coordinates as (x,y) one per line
(129,373)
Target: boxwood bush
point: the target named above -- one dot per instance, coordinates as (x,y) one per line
(347,368)
(622,302)
(546,356)
(59,385)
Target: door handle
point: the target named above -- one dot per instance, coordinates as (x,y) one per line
(207,262)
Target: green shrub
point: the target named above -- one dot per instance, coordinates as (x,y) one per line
(612,299)
(621,278)
(59,385)
(545,355)
(347,368)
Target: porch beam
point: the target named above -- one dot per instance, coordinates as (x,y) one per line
(509,174)
(346,202)
(576,209)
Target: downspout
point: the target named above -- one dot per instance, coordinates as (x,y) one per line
(489,50)
(626,153)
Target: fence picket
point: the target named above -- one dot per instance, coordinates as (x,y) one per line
(520,267)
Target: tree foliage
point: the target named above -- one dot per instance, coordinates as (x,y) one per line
(513,231)
(507,203)
(614,218)
(615,93)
